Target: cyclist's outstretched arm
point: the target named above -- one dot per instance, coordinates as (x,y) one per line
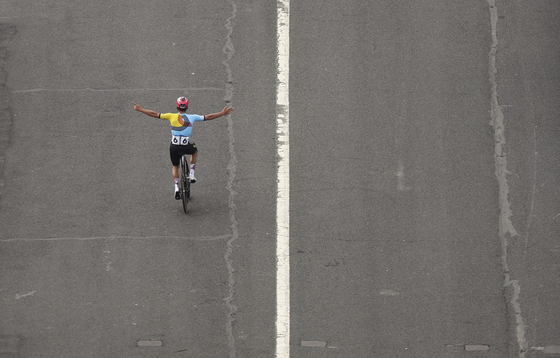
(227,110)
(145,111)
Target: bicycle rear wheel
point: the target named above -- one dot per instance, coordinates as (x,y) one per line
(185,181)
(188,177)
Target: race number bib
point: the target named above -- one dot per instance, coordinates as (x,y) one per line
(179,140)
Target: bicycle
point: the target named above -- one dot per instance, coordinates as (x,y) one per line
(185,181)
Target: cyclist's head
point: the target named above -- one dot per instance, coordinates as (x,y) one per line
(182,103)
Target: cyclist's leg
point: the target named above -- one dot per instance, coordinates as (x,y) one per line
(175,160)
(176,182)
(194,155)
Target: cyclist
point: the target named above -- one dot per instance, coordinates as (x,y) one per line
(181,128)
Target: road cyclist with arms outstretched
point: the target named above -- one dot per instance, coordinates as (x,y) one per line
(181,129)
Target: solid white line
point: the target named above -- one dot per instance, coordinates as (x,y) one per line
(283,190)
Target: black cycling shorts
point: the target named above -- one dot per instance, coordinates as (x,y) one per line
(177,151)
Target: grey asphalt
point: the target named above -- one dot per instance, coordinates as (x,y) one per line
(96,253)
(401,243)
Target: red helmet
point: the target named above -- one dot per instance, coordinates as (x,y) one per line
(182,103)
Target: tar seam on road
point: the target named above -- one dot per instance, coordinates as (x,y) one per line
(231,308)
(283,178)
(505,224)
(199,238)
(117,89)
(534,191)
(6,114)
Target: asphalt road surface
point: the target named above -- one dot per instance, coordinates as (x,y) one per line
(424,187)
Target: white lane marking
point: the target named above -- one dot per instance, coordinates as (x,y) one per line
(283,190)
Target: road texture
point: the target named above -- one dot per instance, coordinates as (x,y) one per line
(424,206)
(424,148)
(406,256)
(96,254)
